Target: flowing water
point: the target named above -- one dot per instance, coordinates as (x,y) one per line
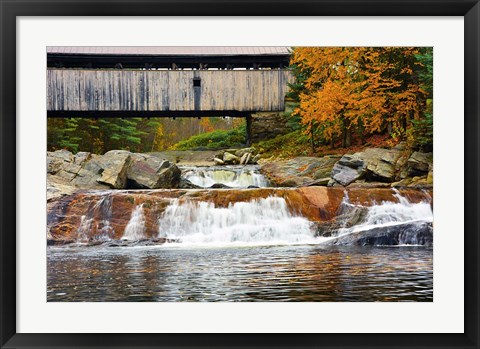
(261,221)
(231,176)
(255,273)
(248,251)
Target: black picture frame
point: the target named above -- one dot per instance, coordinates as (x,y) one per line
(9,338)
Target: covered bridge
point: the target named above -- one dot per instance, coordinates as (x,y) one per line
(166,81)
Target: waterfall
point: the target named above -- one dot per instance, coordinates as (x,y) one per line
(396,223)
(135,229)
(235,177)
(260,221)
(84,229)
(101,231)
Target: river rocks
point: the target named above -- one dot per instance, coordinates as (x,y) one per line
(186,184)
(86,214)
(88,176)
(317,182)
(219,186)
(116,169)
(245,159)
(81,157)
(241,156)
(115,164)
(375,163)
(372,168)
(241,152)
(229,158)
(58,187)
(299,171)
(147,171)
(218,161)
(56,160)
(381,163)
(256,158)
(420,162)
(344,174)
(375,166)
(401,234)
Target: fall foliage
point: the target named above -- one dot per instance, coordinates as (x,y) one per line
(349,93)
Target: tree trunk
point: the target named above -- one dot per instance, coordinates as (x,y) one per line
(348,138)
(249,130)
(362,133)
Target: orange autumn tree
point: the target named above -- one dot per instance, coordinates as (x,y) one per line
(356,91)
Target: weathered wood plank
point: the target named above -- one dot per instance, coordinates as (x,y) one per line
(166,90)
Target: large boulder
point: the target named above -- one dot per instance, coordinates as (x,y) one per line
(57,160)
(115,165)
(230,158)
(58,187)
(348,169)
(117,169)
(418,233)
(218,161)
(255,159)
(373,164)
(245,159)
(81,157)
(381,163)
(90,173)
(420,162)
(146,171)
(240,152)
(299,171)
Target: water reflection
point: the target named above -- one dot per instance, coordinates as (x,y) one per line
(269,273)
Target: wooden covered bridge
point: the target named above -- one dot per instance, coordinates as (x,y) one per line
(166,81)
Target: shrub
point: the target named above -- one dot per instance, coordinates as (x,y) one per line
(214,139)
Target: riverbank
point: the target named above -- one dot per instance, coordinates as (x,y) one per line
(118,169)
(124,199)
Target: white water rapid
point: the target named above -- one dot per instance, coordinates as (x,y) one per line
(261,221)
(135,229)
(235,177)
(403,215)
(102,208)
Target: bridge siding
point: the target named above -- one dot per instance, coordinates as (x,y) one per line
(165,90)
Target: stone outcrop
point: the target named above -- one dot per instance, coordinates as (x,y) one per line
(115,164)
(375,164)
(299,171)
(371,168)
(420,162)
(408,233)
(241,156)
(116,169)
(322,205)
(229,158)
(269,125)
(147,171)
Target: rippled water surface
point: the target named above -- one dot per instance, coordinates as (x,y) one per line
(253,273)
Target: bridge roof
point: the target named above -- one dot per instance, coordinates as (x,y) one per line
(188,57)
(171,50)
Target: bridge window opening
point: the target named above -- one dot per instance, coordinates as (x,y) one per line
(197,82)
(99,134)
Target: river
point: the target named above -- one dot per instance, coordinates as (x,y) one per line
(252,273)
(255,249)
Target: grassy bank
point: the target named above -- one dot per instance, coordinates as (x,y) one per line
(214,139)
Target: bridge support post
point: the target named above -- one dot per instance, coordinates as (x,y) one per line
(249,130)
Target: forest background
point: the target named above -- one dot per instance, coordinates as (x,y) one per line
(343,98)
